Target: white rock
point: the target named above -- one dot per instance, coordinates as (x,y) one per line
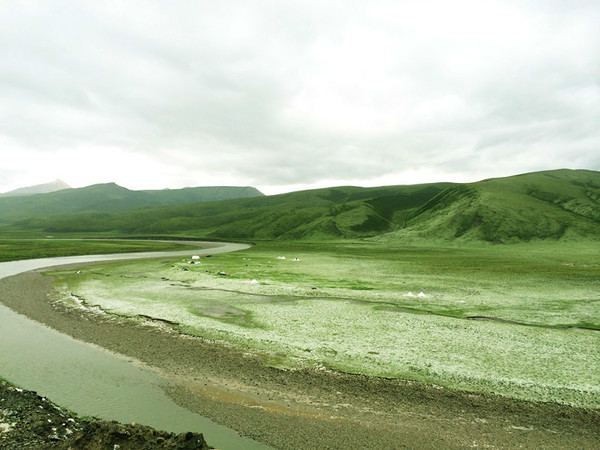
(5,427)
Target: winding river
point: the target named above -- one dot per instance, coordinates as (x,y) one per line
(92,381)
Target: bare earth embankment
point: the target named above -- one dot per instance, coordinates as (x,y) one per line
(311,408)
(28,420)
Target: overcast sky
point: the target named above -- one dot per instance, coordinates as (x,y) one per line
(285,95)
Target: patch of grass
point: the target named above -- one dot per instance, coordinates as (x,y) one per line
(15,249)
(356,307)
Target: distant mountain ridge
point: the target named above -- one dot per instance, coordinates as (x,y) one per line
(340,212)
(53,186)
(555,205)
(110,197)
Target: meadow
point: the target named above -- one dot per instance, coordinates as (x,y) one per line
(518,320)
(16,249)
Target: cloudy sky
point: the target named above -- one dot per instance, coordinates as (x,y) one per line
(287,94)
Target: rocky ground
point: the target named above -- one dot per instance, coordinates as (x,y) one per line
(29,421)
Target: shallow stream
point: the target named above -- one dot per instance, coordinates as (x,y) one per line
(90,380)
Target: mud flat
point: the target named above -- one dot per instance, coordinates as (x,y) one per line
(310,408)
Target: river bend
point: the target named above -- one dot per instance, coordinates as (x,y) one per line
(90,380)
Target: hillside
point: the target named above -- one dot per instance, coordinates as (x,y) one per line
(341,212)
(560,204)
(110,197)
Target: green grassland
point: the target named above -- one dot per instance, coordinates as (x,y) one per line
(16,249)
(521,321)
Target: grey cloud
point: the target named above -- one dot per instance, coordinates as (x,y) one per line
(216,81)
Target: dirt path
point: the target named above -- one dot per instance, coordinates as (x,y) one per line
(311,409)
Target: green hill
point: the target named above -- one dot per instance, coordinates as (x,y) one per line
(109,197)
(341,212)
(560,204)
(557,204)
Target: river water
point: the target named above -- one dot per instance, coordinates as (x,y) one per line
(90,380)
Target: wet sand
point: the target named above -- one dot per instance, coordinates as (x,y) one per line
(311,408)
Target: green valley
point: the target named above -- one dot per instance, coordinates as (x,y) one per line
(488,287)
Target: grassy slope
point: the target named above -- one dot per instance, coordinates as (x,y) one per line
(110,198)
(561,204)
(342,212)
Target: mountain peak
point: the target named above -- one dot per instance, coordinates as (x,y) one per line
(56,185)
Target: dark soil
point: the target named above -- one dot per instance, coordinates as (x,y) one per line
(29,421)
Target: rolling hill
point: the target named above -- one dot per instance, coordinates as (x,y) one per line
(110,197)
(341,212)
(560,204)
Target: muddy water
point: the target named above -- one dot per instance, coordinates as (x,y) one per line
(90,380)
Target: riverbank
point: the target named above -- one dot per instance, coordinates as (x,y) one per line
(309,409)
(28,420)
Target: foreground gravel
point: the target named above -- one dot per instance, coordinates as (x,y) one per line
(311,408)
(29,421)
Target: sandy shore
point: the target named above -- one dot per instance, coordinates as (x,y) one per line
(311,409)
